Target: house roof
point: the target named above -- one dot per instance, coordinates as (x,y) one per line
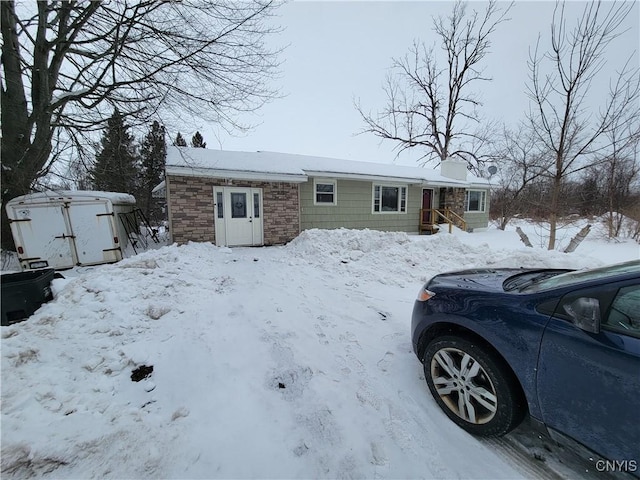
(297,168)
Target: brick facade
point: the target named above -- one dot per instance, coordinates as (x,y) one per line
(191,208)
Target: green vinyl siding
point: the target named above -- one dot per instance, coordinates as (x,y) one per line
(354,208)
(476,220)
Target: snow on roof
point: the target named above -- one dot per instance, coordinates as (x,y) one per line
(160,187)
(233,163)
(114,197)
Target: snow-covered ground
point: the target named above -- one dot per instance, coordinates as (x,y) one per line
(276,362)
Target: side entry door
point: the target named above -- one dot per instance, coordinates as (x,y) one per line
(239,214)
(589,382)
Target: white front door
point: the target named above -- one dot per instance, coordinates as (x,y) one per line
(238,216)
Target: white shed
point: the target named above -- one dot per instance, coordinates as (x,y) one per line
(63,229)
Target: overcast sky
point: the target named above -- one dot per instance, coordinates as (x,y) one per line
(340,52)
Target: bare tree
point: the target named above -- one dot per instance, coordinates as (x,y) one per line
(620,171)
(66,65)
(559,112)
(519,160)
(434,107)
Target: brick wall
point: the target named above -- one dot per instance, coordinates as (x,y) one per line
(191,208)
(281,211)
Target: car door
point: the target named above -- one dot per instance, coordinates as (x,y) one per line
(589,383)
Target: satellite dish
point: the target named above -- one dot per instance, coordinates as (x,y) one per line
(492,169)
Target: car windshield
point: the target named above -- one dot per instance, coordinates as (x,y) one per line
(578,276)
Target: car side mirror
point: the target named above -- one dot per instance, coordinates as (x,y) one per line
(585,313)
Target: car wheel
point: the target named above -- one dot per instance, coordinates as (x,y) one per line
(472,386)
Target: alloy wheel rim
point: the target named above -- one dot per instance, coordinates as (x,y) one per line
(464,386)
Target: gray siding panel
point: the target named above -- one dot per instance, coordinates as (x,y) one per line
(354,209)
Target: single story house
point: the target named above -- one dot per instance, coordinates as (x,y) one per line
(235,198)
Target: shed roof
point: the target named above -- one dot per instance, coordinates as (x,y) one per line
(70,195)
(297,168)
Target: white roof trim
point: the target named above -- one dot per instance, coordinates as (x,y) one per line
(439,183)
(388,179)
(360,176)
(476,185)
(235,174)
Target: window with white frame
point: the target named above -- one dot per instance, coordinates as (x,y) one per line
(325,192)
(475,200)
(389,199)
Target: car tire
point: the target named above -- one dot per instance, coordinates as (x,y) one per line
(473,386)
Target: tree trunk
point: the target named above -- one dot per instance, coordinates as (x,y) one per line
(24,162)
(554,206)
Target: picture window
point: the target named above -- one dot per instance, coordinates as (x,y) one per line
(475,201)
(389,199)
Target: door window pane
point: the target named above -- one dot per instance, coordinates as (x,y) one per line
(624,314)
(238,205)
(256,205)
(219,205)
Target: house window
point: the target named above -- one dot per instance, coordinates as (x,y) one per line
(389,199)
(325,192)
(475,200)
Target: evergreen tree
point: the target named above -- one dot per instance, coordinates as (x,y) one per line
(116,165)
(180,141)
(197,141)
(153,153)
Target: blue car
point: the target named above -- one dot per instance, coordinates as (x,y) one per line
(561,346)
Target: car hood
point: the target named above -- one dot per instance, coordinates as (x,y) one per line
(476,279)
(491,279)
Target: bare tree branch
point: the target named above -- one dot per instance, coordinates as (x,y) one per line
(434,107)
(560,84)
(66,65)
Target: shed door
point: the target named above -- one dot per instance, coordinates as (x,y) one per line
(95,237)
(43,234)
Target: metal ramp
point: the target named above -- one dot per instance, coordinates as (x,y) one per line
(139,230)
